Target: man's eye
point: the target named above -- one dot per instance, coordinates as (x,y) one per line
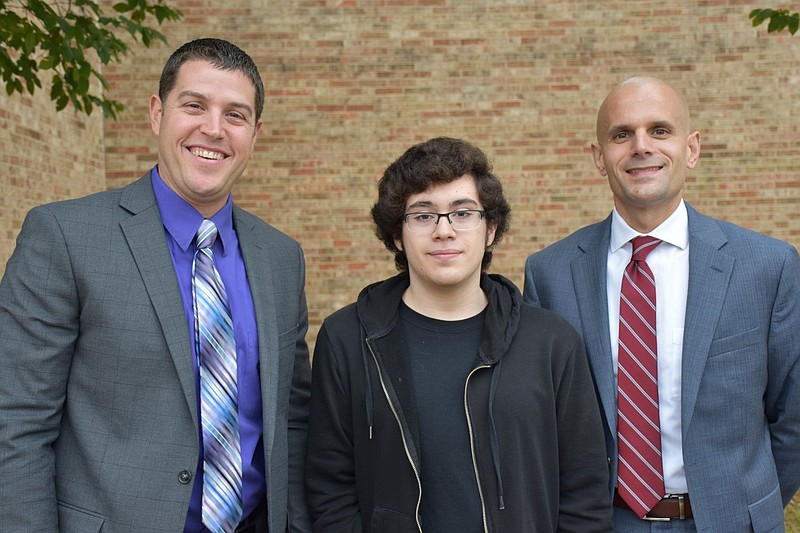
(464,215)
(422,217)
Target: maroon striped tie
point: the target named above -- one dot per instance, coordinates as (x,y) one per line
(641,478)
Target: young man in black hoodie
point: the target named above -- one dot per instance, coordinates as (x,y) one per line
(440,402)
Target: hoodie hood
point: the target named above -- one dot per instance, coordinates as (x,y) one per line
(378,307)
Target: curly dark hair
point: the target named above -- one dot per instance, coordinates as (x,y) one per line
(434,162)
(222,55)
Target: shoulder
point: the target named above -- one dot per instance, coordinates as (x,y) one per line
(347,316)
(339,334)
(575,243)
(246,222)
(341,324)
(95,213)
(538,325)
(737,241)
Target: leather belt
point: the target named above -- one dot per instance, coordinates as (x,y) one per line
(671,507)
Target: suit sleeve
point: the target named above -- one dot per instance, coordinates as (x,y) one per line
(330,467)
(39,313)
(298,420)
(529,294)
(783,390)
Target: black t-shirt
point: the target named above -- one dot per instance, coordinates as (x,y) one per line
(441,354)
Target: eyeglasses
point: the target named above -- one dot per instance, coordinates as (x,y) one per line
(461,220)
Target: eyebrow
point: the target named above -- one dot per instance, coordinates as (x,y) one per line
(627,127)
(427,204)
(239,105)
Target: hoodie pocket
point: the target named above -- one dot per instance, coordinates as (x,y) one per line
(389,521)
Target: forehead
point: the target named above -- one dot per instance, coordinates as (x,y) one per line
(201,76)
(635,105)
(456,192)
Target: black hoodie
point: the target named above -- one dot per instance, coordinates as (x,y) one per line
(535,429)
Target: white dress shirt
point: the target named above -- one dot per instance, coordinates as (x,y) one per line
(670,265)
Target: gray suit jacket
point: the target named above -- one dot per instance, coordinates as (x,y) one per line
(740,405)
(98,418)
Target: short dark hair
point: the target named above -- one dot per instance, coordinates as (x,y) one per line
(222,55)
(434,162)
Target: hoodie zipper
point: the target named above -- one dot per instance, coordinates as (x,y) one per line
(472,446)
(405,443)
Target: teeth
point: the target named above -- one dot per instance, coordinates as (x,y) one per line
(207,155)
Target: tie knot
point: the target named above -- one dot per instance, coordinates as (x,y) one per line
(642,246)
(207,234)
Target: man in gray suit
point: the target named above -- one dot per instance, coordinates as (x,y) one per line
(727,308)
(103,425)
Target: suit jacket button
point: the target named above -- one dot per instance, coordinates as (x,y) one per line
(185,476)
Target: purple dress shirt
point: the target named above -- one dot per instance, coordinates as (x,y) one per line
(181,222)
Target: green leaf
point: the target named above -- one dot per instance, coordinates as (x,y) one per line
(59,34)
(776,23)
(759,15)
(61,102)
(48,62)
(794,23)
(122,7)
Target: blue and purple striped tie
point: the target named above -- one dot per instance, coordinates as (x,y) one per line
(216,352)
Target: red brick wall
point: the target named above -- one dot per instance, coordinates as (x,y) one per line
(351,84)
(47,156)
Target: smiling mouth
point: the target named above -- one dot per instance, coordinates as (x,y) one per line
(644,170)
(207,154)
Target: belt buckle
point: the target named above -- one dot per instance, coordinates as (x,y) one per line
(664,518)
(681,509)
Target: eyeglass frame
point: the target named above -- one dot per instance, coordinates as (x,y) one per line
(481,215)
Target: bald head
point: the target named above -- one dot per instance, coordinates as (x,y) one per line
(653,91)
(645,148)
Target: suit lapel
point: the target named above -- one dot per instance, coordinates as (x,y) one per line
(709,275)
(258,265)
(144,232)
(589,278)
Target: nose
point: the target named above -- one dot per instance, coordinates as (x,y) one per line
(443,227)
(641,143)
(212,124)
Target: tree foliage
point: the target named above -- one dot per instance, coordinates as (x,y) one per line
(779,19)
(55,35)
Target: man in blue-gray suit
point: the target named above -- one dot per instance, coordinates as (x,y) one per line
(135,393)
(727,333)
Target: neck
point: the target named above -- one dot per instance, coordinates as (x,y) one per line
(446,303)
(646,219)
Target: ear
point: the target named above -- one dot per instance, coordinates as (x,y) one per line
(255,134)
(599,161)
(693,149)
(490,233)
(399,244)
(156,109)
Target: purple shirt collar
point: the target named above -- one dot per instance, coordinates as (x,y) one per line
(182,220)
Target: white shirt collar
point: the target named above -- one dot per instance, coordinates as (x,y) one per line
(674,230)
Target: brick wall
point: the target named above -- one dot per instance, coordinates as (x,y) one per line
(351,84)
(47,156)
